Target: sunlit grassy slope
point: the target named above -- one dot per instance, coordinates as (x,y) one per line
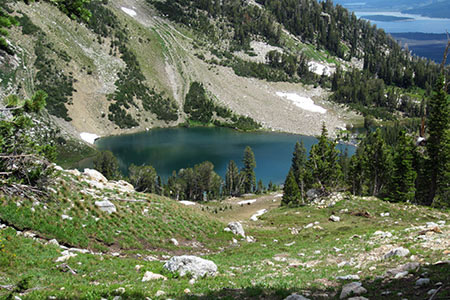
(288,256)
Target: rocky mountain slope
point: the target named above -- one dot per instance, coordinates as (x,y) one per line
(88,67)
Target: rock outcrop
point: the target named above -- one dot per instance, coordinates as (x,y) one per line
(189,264)
(106,206)
(236,228)
(352,289)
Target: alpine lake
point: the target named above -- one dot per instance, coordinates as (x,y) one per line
(171,149)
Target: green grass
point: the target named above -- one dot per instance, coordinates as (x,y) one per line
(246,270)
(136,225)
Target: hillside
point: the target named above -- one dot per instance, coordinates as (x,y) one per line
(131,65)
(167,58)
(69,246)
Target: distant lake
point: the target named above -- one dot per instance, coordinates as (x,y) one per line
(384,18)
(410,23)
(176,148)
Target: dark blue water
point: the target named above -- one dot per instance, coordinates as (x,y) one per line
(176,148)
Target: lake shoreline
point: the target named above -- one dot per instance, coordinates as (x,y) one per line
(172,149)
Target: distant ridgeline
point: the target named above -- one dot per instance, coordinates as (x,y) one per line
(433,10)
(388,71)
(427,45)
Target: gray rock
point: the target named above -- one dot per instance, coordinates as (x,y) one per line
(358,298)
(382,234)
(350,289)
(312,193)
(402,269)
(334,218)
(422,281)
(106,206)
(95,175)
(149,276)
(236,228)
(409,266)
(174,241)
(348,277)
(400,252)
(296,297)
(401,275)
(432,224)
(189,264)
(160,293)
(250,239)
(53,242)
(432,291)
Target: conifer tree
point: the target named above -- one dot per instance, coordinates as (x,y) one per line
(260,188)
(437,144)
(357,171)
(248,170)
(323,163)
(106,163)
(299,161)
(379,161)
(291,192)
(143,178)
(402,186)
(233,180)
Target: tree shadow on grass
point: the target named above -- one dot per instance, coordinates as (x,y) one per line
(379,288)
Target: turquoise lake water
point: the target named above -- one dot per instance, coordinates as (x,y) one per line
(175,148)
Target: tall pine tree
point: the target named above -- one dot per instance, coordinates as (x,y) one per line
(402,185)
(437,144)
(323,163)
(233,180)
(291,192)
(299,161)
(248,170)
(379,162)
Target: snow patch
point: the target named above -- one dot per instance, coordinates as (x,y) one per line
(319,68)
(89,137)
(247,202)
(258,213)
(129,12)
(302,102)
(184,202)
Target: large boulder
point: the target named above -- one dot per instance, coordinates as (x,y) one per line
(189,264)
(106,206)
(236,228)
(95,175)
(352,289)
(400,252)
